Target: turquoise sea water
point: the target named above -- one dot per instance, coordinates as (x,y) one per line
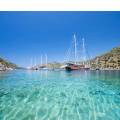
(60,95)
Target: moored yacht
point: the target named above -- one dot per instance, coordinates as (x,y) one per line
(77,66)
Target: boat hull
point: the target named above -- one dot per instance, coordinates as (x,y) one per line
(70,69)
(76,67)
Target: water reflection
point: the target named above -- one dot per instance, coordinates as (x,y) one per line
(44,74)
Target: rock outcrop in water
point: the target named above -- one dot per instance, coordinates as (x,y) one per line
(5,65)
(109,60)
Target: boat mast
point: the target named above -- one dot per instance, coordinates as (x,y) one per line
(41,60)
(46,59)
(35,62)
(83,47)
(75,48)
(31,63)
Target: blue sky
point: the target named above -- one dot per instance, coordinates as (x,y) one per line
(26,35)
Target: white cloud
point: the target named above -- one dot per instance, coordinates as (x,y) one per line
(60,5)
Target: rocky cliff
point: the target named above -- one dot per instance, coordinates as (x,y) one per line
(5,65)
(109,60)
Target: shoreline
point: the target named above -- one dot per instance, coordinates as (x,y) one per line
(65,70)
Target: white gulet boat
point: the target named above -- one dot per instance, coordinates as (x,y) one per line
(38,67)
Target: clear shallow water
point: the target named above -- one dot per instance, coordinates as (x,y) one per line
(60,95)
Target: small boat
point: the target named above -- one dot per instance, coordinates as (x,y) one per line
(44,68)
(38,67)
(97,69)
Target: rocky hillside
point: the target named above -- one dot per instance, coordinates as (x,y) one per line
(54,65)
(5,65)
(109,60)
